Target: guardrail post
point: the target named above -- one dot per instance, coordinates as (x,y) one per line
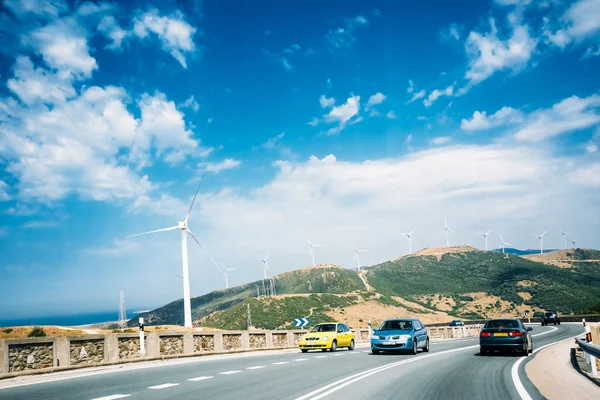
(370,330)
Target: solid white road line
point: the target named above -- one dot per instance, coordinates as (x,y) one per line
(553,329)
(200,378)
(163,386)
(113,397)
(320,356)
(257,367)
(338,354)
(334,387)
(514,372)
(229,372)
(281,362)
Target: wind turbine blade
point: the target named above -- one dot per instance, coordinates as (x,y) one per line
(268,254)
(542,235)
(317,245)
(451,230)
(158,230)
(537,236)
(445,222)
(411,232)
(202,247)
(488,232)
(194,200)
(507,244)
(309,241)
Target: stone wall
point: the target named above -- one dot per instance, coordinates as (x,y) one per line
(86,351)
(23,357)
(280,340)
(297,337)
(204,343)
(363,336)
(171,345)
(232,342)
(258,340)
(129,348)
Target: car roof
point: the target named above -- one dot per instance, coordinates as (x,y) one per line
(401,319)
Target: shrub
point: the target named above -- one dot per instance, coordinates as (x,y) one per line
(37,331)
(465,298)
(7,330)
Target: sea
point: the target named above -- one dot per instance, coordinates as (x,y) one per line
(65,320)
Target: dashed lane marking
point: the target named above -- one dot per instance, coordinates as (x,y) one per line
(229,372)
(257,367)
(200,378)
(320,356)
(113,397)
(281,362)
(300,359)
(163,386)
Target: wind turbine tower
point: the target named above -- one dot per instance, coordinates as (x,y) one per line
(446,229)
(541,241)
(503,243)
(485,235)
(357,256)
(183,227)
(311,252)
(564,237)
(225,271)
(409,236)
(122,312)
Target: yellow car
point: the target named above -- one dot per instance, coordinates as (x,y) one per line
(327,336)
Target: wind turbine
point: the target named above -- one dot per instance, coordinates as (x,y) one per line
(572,241)
(541,241)
(183,226)
(503,243)
(564,237)
(447,229)
(485,235)
(409,236)
(225,270)
(311,252)
(357,256)
(271,280)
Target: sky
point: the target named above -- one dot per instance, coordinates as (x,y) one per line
(344,122)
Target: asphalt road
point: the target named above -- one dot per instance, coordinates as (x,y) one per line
(451,370)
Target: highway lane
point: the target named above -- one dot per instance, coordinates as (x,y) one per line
(290,375)
(459,375)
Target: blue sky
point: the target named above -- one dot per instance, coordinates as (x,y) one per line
(346,122)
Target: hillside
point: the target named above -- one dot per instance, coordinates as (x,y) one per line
(437,284)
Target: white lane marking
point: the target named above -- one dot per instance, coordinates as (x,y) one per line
(163,386)
(257,367)
(338,354)
(553,329)
(300,359)
(514,372)
(320,356)
(229,372)
(354,352)
(113,397)
(281,362)
(334,387)
(200,378)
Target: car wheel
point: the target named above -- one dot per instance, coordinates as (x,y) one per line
(304,350)
(559,323)
(414,349)
(374,351)
(351,347)
(483,351)
(334,345)
(426,348)
(323,349)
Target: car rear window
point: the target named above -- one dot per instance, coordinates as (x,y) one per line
(324,328)
(549,314)
(502,323)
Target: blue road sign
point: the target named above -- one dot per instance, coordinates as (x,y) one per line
(301,322)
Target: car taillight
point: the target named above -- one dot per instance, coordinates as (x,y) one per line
(515,333)
(485,334)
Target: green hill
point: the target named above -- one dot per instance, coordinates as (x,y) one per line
(441,283)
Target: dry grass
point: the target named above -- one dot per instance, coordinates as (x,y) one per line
(526,283)
(445,304)
(488,309)
(438,252)
(559,258)
(20,332)
(525,295)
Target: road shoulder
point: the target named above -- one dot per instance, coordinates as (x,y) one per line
(553,375)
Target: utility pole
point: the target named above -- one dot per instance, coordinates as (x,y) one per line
(249,323)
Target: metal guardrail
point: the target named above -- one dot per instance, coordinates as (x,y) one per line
(591,352)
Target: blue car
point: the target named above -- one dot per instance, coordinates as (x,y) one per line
(400,334)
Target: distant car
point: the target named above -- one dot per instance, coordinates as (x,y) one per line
(505,334)
(456,323)
(330,336)
(550,317)
(400,334)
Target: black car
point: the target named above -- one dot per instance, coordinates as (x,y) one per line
(550,317)
(505,334)
(456,323)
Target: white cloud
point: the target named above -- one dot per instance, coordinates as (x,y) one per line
(408,139)
(480,120)
(4,188)
(326,102)
(591,147)
(343,38)
(411,86)
(436,94)
(583,18)
(488,53)
(174,33)
(569,115)
(190,103)
(343,114)
(451,33)
(292,49)
(417,95)
(375,99)
(228,163)
(587,175)
(422,118)
(37,224)
(111,29)
(513,2)
(314,122)
(440,140)
(42,8)
(591,52)
(63,45)
(117,248)
(391,115)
